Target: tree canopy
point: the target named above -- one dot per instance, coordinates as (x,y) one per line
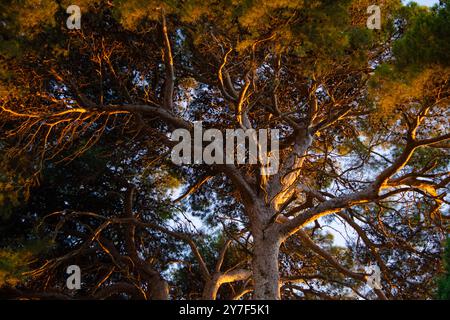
(86,176)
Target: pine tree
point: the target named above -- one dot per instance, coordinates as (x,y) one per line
(86,118)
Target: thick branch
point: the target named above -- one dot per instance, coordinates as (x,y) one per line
(169,68)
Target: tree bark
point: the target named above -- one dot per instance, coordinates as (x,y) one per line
(213,284)
(265,265)
(211,288)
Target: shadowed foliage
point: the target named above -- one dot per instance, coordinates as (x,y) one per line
(86,176)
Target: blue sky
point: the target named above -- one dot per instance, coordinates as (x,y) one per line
(425,2)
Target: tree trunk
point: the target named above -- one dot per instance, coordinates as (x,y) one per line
(265,267)
(159,289)
(211,288)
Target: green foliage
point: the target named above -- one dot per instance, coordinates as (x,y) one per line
(12,266)
(15,262)
(425,157)
(421,57)
(14,184)
(444,281)
(426,40)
